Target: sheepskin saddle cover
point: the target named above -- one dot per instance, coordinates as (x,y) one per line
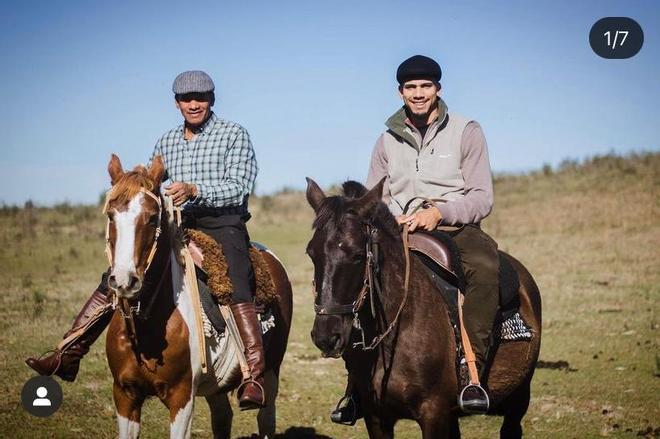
(208,252)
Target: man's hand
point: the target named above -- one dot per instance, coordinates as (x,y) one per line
(181,192)
(424,219)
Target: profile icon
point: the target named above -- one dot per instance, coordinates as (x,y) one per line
(41,396)
(41,401)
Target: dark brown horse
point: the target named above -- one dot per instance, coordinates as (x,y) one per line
(411,374)
(152,342)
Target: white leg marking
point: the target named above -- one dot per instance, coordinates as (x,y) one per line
(181,427)
(124,261)
(128,429)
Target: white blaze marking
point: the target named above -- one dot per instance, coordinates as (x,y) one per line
(125,245)
(128,429)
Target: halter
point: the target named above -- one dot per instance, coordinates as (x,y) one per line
(371,286)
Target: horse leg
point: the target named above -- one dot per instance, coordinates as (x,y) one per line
(379,428)
(455,428)
(129,409)
(439,424)
(221,415)
(180,402)
(515,408)
(266,416)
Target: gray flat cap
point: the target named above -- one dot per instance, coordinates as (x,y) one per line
(193,81)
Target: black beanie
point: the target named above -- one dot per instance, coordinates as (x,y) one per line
(418,67)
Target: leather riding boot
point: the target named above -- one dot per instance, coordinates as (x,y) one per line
(251,391)
(64,361)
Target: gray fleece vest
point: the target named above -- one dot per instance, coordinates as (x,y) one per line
(429,167)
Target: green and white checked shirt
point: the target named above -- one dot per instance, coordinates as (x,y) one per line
(219,160)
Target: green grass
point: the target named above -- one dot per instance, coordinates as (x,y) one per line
(589,233)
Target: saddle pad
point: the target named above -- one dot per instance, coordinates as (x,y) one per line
(215,266)
(513,329)
(213,317)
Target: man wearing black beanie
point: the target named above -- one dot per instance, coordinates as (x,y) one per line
(429,152)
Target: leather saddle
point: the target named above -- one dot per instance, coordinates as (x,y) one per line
(440,255)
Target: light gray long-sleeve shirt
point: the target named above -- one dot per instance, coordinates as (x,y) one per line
(476,200)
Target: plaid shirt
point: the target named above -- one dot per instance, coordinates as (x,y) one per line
(219,160)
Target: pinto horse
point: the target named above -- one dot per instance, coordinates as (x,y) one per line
(151,343)
(410,372)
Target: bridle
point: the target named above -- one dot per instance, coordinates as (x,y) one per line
(370,287)
(152,252)
(129,312)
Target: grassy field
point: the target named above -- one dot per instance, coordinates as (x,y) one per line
(589,233)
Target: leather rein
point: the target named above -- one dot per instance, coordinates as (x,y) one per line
(370,287)
(128,311)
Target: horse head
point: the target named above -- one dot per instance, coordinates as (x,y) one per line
(344,228)
(134,209)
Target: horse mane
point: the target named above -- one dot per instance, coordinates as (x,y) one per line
(130,184)
(334,207)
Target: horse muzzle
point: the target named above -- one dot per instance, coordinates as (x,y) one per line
(126,285)
(330,335)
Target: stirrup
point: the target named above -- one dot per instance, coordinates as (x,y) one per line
(476,404)
(337,415)
(263,394)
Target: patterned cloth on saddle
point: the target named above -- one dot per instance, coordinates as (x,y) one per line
(208,253)
(440,256)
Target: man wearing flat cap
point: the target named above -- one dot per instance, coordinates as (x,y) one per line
(212,166)
(434,154)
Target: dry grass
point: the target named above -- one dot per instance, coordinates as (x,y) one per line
(589,233)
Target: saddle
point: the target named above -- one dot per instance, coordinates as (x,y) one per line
(213,281)
(439,254)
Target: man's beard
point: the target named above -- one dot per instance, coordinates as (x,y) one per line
(421,118)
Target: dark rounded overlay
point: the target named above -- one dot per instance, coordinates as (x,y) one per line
(41,396)
(616,37)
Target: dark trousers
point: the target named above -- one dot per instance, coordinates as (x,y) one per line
(231,233)
(481,265)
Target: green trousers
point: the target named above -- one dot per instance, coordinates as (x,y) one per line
(481,266)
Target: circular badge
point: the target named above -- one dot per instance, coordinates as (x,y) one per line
(616,37)
(41,396)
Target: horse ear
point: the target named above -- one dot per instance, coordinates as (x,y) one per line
(367,203)
(114,169)
(156,170)
(315,194)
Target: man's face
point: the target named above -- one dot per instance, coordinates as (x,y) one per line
(195,107)
(420,96)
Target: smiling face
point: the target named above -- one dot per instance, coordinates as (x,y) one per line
(420,96)
(195,107)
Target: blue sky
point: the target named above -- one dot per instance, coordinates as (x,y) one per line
(312,82)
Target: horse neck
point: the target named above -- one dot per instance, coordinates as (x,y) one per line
(393,266)
(154,279)
(392,280)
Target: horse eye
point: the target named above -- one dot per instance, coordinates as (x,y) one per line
(153,220)
(111,217)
